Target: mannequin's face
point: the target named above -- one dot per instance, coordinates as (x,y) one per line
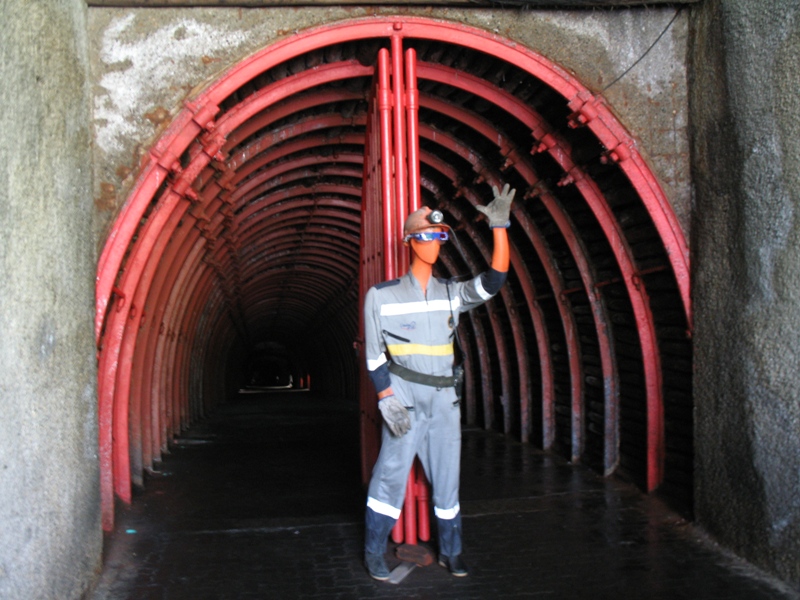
(427,252)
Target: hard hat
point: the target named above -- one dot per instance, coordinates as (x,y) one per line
(421,219)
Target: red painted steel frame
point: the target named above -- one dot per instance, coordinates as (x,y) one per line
(130,269)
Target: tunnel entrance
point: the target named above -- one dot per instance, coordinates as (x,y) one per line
(243,231)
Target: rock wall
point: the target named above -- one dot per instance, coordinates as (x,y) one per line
(745,99)
(49,506)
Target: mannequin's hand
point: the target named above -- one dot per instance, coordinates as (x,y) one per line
(395,415)
(498,211)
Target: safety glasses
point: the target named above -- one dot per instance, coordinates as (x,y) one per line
(429,236)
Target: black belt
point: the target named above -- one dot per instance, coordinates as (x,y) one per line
(437,381)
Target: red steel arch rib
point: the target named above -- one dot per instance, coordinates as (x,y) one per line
(200,113)
(186,249)
(567,319)
(521,164)
(546,362)
(623,254)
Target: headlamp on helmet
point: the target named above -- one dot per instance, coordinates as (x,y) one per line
(436,217)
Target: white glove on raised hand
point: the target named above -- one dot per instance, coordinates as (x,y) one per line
(498,211)
(395,415)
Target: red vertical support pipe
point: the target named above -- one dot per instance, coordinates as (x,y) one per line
(406,529)
(400,182)
(395,207)
(385,108)
(392,156)
(418,486)
(412,128)
(421,490)
(405,181)
(372,266)
(410,509)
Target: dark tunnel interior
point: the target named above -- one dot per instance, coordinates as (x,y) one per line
(236,262)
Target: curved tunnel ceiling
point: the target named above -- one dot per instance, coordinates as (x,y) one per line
(243,235)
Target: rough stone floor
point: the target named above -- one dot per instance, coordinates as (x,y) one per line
(263,499)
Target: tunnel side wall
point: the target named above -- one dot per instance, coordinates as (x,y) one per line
(746,149)
(49,500)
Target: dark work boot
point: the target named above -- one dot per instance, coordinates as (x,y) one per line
(450,545)
(376,566)
(376,531)
(449,535)
(454,564)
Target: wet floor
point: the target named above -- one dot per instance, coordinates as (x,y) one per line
(263,499)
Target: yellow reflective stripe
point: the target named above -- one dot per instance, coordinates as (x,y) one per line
(406,349)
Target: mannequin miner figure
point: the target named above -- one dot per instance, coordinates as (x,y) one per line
(409,329)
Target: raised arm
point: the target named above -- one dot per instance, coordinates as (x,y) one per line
(498,212)
(500,252)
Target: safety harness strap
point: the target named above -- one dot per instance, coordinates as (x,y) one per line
(421,378)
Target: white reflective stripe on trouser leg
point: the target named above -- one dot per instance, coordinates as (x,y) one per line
(385,509)
(446,513)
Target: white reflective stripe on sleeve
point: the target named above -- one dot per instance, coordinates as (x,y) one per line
(480,289)
(446,513)
(374,364)
(383,508)
(410,308)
